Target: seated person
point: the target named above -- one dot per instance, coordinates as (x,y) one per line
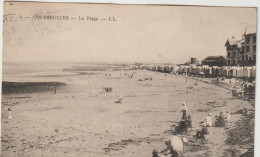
(188,124)
(221,120)
(208,121)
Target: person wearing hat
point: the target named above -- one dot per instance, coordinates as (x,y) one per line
(155,153)
(175,147)
(184,111)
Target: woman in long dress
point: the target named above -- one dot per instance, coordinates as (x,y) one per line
(184,111)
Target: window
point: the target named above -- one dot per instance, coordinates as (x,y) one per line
(228,62)
(247,39)
(254,39)
(247,57)
(254,57)
(254,48)
(243,57)
(228,47)
(234,54)
(228,54)
(247,48)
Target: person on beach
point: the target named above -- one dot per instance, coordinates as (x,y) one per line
(221,120)
(188,124)
(216,121)
(218,79)
(174,148)
(228,118)
(208,121)
(10,116)
(155,153)
(184,111)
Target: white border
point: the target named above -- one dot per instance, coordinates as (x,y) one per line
(235,3)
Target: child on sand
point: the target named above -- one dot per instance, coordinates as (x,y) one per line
(10,114)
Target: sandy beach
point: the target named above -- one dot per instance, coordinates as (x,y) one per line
(83,120)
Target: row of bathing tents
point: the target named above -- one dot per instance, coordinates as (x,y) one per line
(224,71)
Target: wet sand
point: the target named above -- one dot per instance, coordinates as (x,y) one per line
(82,120)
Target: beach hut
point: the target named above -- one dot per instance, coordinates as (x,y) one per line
(170,68)
(215,70)
(199,70)
(233,71)
(177,68)
(185,69)
(167,69)
(253,72)
(239,72)
(229,72)
(246,72)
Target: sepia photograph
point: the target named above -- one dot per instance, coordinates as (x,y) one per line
(128,80)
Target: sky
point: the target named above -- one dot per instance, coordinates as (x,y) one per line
(141,33)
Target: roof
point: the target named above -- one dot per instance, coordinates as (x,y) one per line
(250,33)
(212,58)
(232,41)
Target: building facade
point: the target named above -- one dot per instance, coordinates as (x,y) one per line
(248,50)
(241,52)
(233,47)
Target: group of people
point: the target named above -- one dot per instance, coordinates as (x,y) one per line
(174,147)
(107,89)
(185,125)
(220,121)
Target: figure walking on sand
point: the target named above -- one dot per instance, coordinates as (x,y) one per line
(10,116)
(184,111)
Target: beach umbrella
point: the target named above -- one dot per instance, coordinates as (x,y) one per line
(177,144)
